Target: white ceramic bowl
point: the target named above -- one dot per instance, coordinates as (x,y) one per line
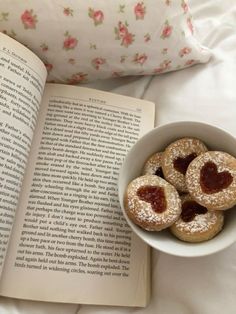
(156,140)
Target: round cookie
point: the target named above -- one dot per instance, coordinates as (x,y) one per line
(152,203)
(153,165)
(196,223)
(176,158)
(211,180)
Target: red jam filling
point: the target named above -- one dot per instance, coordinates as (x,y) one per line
(181,163)
(159,172)
(190,209)
(212,181)
(154,195)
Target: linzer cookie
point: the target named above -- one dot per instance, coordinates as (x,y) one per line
(152,203)
(176,158)
(153,165)
(196,223)
(211,180)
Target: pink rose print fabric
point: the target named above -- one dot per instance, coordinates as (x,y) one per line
(77,78)
(98,62)
(29,19)
(68,11)
(139,11)
(69,42)
(123,34)
(190,24)
(82,41)
(96,15)
(140,58)
(184,51)
(184,5)
(163,67)
(167,30)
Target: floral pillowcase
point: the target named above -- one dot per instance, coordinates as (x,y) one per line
(81,41)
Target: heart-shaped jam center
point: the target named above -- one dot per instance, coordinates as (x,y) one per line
(154,195)
(181,163)
(190,209)
(159,172)
(212,181)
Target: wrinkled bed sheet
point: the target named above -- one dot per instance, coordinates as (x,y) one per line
(205,93)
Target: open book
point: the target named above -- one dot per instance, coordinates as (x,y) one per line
(62,234)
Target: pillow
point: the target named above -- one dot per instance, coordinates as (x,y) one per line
(80,41)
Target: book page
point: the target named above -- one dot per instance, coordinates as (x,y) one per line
(22,77)
(71,242)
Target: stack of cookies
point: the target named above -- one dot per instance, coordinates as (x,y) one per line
(185,188)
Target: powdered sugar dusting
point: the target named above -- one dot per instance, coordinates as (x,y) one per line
(224,162)
(180,148)
(143,212)
(153,163)
(200,223)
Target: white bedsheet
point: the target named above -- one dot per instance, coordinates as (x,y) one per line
(205,93)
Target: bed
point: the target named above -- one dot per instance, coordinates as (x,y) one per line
(204,92)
